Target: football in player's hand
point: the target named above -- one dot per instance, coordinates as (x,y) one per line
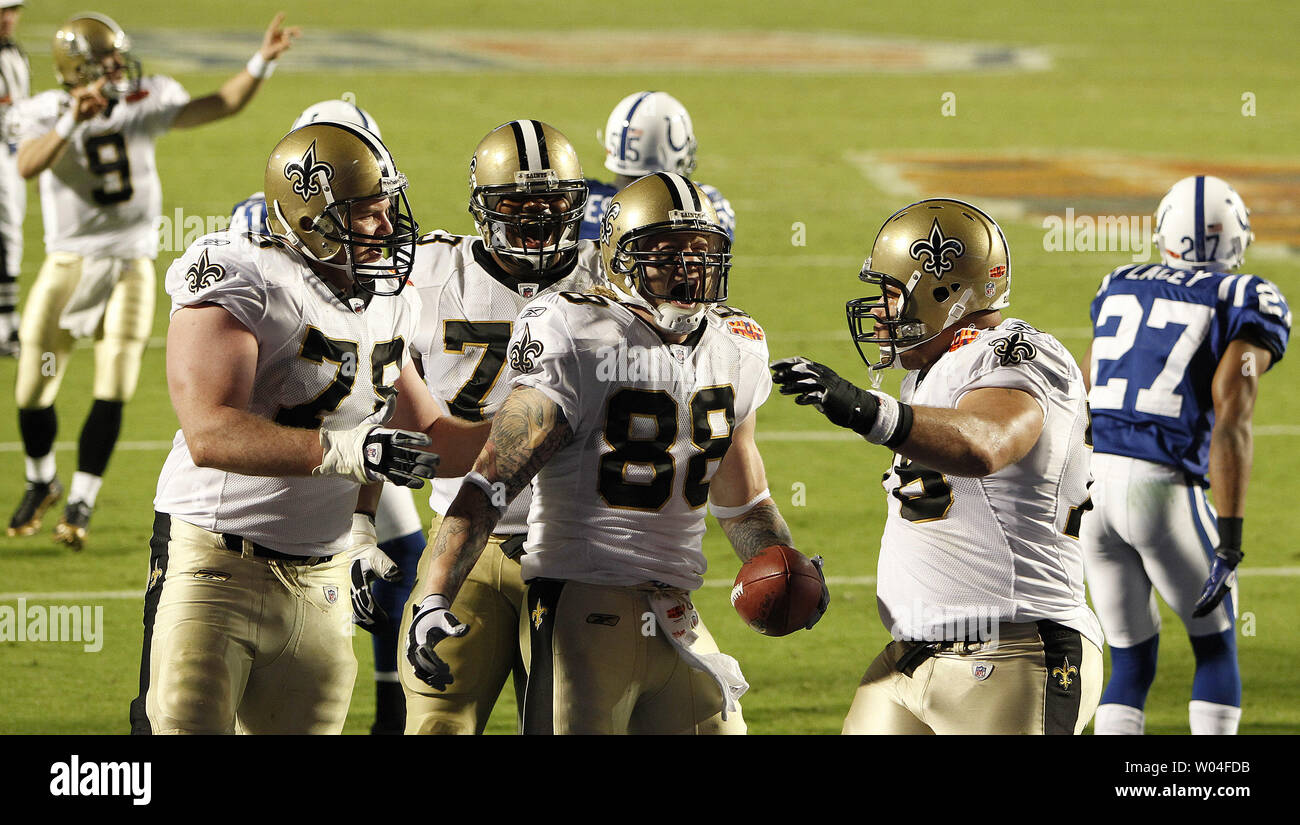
(777,591)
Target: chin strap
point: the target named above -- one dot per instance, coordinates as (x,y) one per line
(670,319)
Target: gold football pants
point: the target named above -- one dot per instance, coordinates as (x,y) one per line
(600,664)
(480,660)
(246,644)
(1036,678)
(119,341)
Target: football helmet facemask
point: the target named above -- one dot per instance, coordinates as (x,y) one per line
(1202,223)
(528,195)
(663,249)
(935,262)
(649,132)
(89,46)
(318,181)
(338,111)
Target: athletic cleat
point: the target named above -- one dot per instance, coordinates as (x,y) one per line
(71,529)
(39,497)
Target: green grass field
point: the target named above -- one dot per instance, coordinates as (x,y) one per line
(1142,88)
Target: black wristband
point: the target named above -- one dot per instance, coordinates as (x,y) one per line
(904,428)
(1230,532)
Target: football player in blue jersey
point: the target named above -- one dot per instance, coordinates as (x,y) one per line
(1174,365)
(648,132)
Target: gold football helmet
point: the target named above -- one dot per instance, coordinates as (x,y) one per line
(527,194)
(662,245)
(316,178)
(83,47)
(936,262)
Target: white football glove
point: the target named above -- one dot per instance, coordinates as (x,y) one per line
(432,623)
(370,453)
(368,564)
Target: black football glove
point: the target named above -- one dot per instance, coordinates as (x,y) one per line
(370,452)
(843,403)
(825,600)
(432,622)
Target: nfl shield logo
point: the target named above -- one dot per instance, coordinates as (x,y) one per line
(374,452)
(528,290)
(331,593)
(981,670)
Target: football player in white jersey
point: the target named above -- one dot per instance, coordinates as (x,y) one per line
(527,192)
(632,408)
(92,145)
(1174,366)
(981,576)
(648,132)
(285,355)
(377,596)
(15,85)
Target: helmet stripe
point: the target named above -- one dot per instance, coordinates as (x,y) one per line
(545,156)
(673,191)
(379,150)
(528,143)
(627,121)
(1200,218)
(682,192)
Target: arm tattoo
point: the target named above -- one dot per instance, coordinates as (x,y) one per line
(526,432)
(759,528)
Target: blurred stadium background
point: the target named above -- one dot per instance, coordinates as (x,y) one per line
(817,120)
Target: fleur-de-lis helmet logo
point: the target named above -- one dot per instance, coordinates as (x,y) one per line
(202,273)
(303,174)
(935,251)
(524,351)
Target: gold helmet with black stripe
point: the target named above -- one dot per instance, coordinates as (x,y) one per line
(528,195)
(333,191)
(935,261)
(90,46)
(662,247)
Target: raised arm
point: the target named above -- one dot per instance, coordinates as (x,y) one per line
(236,92)
(991,428)
(38,154)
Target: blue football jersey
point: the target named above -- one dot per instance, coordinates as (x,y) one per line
(250,215)
(600,193)
(1158,336)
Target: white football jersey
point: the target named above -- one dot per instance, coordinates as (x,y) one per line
(467,317)
(319,364)
(15,86)
(964,552)
(102,197)
(624,502)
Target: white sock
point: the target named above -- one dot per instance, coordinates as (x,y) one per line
(84,488)
(41,470)
(1212,719)
(1116,719)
